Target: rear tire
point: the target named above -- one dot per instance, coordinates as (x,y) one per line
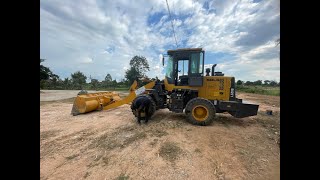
(152,108)
(200,111)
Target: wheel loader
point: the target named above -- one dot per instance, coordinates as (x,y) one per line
(185,89)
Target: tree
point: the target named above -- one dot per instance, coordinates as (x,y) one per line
(66,83)
(259,82)
(54,81)
(273,83)
(138,67)
(107,80)
(123,83)
(47,78)
(45,72)
(266,82)
(248,83)
(94,83)
(131,75)
(114,84)
(78,79)
(239,82)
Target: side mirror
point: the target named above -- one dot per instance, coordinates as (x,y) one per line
(162,61)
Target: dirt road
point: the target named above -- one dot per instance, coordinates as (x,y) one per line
(111,145)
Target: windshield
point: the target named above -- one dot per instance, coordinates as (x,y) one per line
(169,69)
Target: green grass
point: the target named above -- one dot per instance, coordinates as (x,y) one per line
(122,176)
(265,90)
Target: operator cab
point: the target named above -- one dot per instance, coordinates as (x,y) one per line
(185,67)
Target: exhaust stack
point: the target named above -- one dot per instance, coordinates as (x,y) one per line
(212,72)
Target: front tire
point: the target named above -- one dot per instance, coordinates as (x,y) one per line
(152,108)
(200,111)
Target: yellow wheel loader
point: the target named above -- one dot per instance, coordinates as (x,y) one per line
(186,88)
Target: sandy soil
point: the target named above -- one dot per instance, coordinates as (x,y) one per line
(111,145)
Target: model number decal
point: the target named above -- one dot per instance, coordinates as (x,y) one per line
(221,81)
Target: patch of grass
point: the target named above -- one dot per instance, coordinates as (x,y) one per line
(122,176)
(154,142)
(197,150)
(170,151)
(135,137)
(72,156)
(104,142)
(273,91)
(270,122)
(95,161)
(99,160)
(126,128)
(105,160)
(86,175)
(48,134)
(158,133)
(115,140)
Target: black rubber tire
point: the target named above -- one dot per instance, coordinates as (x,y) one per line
(204,102)
(152,108)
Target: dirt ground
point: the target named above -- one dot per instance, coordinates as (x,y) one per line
(111,145)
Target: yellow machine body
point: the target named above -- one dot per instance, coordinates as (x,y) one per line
(213,88)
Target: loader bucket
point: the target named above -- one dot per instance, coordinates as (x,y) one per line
(88,102)
(93,101)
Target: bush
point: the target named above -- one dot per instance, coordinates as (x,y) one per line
(273,91)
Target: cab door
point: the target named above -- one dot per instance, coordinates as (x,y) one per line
(196,69)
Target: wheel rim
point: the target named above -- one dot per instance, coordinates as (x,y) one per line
(200,113)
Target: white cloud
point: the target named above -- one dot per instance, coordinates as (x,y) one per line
(87,60)
(100,37)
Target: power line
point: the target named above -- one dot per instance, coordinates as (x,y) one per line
(172,24)
(173,16)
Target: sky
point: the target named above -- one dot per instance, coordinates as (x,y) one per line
(98,37)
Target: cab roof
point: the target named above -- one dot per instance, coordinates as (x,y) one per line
(184,50)
(184,53)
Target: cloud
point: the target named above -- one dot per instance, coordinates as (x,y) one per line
(87,60)
(100,37)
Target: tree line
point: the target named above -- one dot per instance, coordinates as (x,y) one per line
(258,83)
(138,67)
(78,80)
